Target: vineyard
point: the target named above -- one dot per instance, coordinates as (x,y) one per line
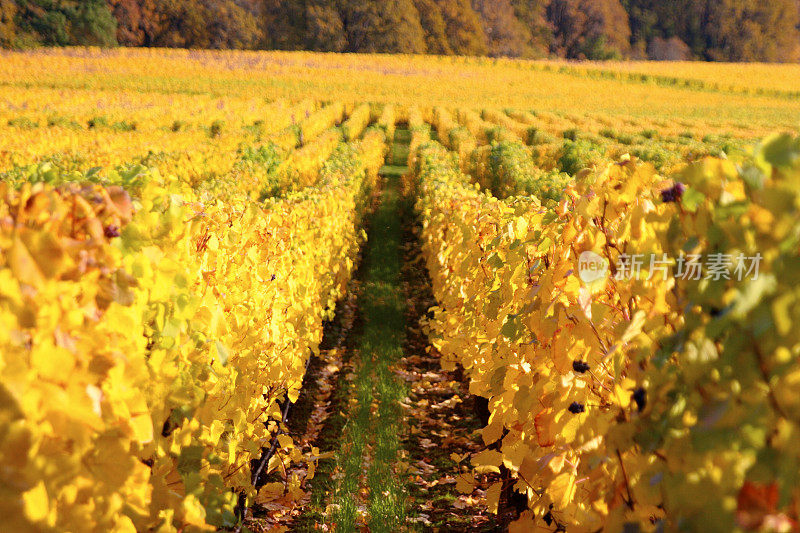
(303,292)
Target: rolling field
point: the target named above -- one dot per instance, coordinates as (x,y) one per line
(271,291)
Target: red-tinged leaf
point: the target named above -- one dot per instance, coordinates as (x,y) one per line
(545,435)
(754,503)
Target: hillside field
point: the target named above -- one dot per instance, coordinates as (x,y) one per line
(296,291)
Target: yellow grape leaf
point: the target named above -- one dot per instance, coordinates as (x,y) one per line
(634,328)
(493,431)
(458,458)
(274,462)
(48,253)
(52,362)
(215,431)
(487,461)
(557,462)
(270,492)
(527,523)
(545,432)
(293,487)
(562,489)
(493,497)
(124,525)
(572,286)
(465,483)
(570,425)
(142,427)
(622,392)
(194,513)
(294,393)
(560,352)
(781,312)
(285,441)
(514,451)
(22,264)
(37,505)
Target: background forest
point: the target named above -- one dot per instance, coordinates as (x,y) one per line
(717,30)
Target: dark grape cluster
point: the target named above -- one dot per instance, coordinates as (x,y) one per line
(674,193)
(576,408)
(639,396)
(580,366)
(111,231)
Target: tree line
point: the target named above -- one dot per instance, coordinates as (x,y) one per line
(718,30)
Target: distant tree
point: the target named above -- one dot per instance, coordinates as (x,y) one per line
(797,27)
(136,21)
(8,27)
(533,14)
(231,25)
(205,24)
(463,28)
(434,26)
(590,29)
(731,30)
(283,23)
(685,19)
(93,24)
(506,35)
(403,31)
(183,25)
(44,21)
(752,30)
(391,26)
(362,22)
(324,28)
(62,22)
(643,20)
(672,49)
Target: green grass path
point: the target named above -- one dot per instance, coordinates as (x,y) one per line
(369,491)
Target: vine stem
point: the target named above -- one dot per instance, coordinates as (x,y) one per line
(765,375)
(266,455)
(630,501)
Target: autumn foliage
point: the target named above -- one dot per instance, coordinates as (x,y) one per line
(151,328)
(578,29)
(649,400)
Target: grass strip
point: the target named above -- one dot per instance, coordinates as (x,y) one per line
(371,439)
